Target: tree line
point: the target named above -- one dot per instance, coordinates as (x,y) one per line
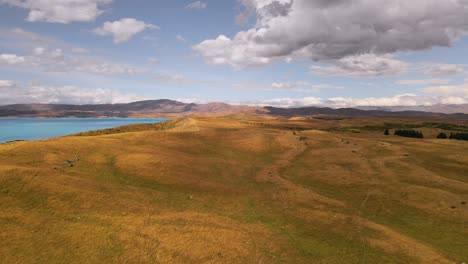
(459,136)
(417,134)
(408,133)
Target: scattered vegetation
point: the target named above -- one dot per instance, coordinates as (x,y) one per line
(442,135)
(446,126)
(459,136)
(408,133)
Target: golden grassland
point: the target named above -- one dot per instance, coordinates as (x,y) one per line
(236,190)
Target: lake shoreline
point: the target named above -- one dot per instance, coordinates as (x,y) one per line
(27,129)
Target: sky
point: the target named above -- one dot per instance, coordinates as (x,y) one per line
(288,53)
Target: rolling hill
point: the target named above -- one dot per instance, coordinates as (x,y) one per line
(226,190)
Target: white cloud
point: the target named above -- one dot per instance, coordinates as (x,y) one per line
(4,84)
(298,86)
(397,100)
(432,95)
(460,91)
(124,29)
(343,102)
(288,102)
(189,100)
(47,54)
(197,5)
(365,65)
(12,59)
(181,38)
(62,95)
(96,66)
(331,30)
(441,69)
(55,60)
(424,82)
(60,11)
(179,79)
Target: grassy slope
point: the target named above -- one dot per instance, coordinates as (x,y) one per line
(229,191)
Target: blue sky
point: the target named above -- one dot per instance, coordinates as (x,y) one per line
(275,52)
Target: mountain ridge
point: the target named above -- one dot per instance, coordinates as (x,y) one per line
(164,107)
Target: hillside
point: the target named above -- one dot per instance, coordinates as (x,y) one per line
(162,107)
(171,108)
(225,190)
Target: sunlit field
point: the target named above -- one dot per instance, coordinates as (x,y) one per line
(228,190)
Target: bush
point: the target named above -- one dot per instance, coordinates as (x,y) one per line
(386,132)
(442,136)
(459,136)
(409,133)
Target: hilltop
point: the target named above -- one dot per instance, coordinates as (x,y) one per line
(228,190)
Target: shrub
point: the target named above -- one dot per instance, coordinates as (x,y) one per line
(386,132)
(442,136)
(409,133)
(459,136)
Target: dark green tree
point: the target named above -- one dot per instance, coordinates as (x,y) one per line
(442,136)
(409,133)
(459,136)
(386,132)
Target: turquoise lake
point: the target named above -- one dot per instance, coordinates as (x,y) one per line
(41,128)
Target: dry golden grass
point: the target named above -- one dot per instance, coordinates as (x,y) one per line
(236,190)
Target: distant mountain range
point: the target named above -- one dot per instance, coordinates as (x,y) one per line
(165,107)
(162,107)
(445,109)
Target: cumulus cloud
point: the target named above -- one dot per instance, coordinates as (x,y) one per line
(441,69)
(424,82)
(366,65)
(343,102)
(46,54)
(289,102)
(4,84)
(179,79)
(15,93)
(60,11)
(12,59)
(124,29)
(197,5)
(459,91)
(56,60)
(298,86)
(320,30)
(340,102)
(432,95)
